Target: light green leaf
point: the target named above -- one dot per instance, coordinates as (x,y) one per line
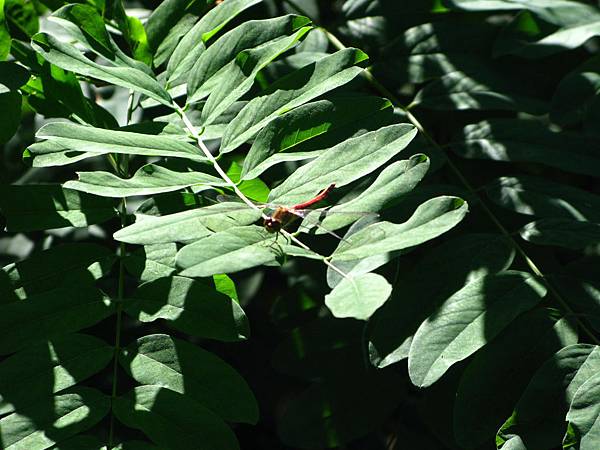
(344,163)
(358,297)
(250,34)
(166,15)
(237,77)
(46,206)
(185,368)
(228,251)
(173,420)
(152,261)
(149,179)
(454,263)
(430,220)
(467,321)
(291,132)
(167,46)
(45,270)
(255,189)
(543,198)
(538,417)
(290,92)
(187,226)
(392,183)
(82,138)
(529,340)
(584,412)
(191,306)
(519,140)
(45,368)
(68,58)
(50,314)
(485,90)
(560,232)
(53,419)
(192,45)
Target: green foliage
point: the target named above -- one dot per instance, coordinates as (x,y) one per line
(441,293)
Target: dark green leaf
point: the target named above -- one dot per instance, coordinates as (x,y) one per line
(192,306)
(53,419)
(185,368)
(152,261)
(50,314)
(45,206)
(542,198)
(539,416)
(173,420)
(530,340)
(45,368)
(566,233)
(455,263)
(468,320)
(520,140)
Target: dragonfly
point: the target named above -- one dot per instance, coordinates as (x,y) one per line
(279,216)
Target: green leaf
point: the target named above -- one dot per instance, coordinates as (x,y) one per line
(166,15)
(69,136)
(468,320)
(542,198)
(176,299)
(393,182)
(431,219)
(167,46)
(583,414)
(173,420)
(530,340)
(344,163)
(290,92)
(10,114)
(68,58)
(575,95)
(152,261)
(185,368)
(254,189)
(291,132)
(45,206)
(228,251)
(237,77)
(485,90)
(358,297)
(192,44)
(519,140)
(225,49)
(45,270)
(83,24)
(82,441)
(4,34)
(454,263)
(560,232)
(187,226)
(50,314)
(53,419)
(538,417)
(22,17)
(45,368)
(149,179)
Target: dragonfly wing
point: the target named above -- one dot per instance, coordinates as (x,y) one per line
(327,219)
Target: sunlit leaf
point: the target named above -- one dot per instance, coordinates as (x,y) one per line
(358,297)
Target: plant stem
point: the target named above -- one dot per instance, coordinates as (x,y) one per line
(122,168)
(535,269)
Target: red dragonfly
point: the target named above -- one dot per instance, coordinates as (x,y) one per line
(283,215)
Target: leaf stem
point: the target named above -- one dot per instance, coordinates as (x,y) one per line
(532,265)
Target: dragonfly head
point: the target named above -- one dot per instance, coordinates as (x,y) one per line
(272,225)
